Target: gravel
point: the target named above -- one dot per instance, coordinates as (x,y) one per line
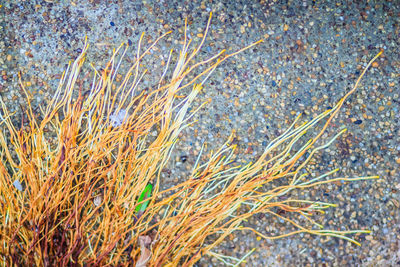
(312,55)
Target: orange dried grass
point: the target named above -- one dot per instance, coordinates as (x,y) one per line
(80,188)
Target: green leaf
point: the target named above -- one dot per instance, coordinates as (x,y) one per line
(145,194)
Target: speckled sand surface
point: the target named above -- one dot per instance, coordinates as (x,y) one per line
(312,54)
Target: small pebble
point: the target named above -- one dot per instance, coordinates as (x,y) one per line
(285,27)
(183,158)
(18,185)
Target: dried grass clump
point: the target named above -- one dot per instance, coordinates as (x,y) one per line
(83,195)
